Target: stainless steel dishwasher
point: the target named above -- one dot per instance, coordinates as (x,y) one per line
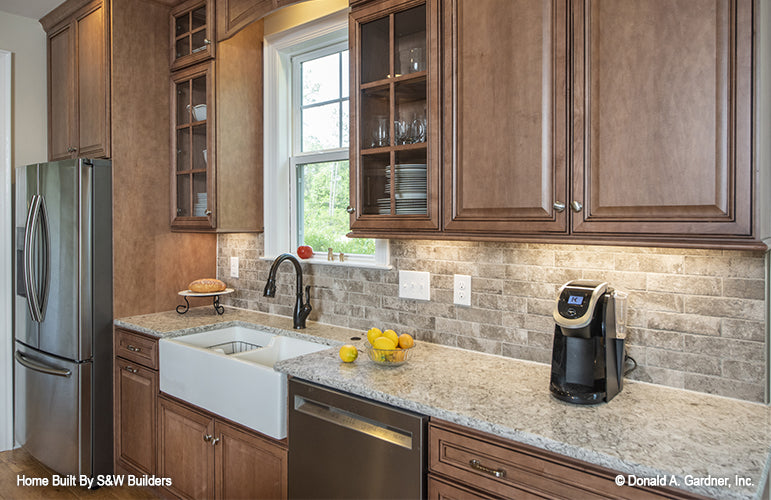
(344,446)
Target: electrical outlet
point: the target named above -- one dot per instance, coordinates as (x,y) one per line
(234,267)
(415,285)
(462,290)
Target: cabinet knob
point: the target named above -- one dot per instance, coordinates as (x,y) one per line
(131,369)
(214,441)
(71,149)
(207,437)
(208,212)
(350,209)
(576,206)
(559,206)
(206,41)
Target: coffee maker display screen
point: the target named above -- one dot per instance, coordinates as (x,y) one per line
(575,300)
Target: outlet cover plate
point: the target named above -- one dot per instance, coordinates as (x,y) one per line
(415,285)
(462,290)
(234,267)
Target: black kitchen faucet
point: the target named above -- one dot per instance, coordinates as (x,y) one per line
(301,310)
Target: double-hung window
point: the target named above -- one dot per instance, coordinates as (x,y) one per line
(306,145)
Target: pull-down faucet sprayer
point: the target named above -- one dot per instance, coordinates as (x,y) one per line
(301,310)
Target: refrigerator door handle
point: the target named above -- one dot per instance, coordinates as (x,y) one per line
(40,367)
(29,284)
(46,259)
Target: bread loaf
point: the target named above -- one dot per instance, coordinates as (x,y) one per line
(206,285)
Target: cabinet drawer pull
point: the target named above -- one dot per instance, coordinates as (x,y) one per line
(207,437)
(476,464)
(133,349)
(131,369)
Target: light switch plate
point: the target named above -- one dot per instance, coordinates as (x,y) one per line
(415,285)
(462,290)
(234,267)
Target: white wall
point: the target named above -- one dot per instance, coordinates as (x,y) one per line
(26,39)
(23,59)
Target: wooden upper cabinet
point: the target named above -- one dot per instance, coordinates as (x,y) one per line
(79,84)
(662,118)
(216,139)
(395,104)
(505,116)
(192,33)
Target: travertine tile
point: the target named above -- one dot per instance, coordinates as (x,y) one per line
(675,322)
(725,307)
(719,265)
(691,285)
(744,371)
(672,264)
(744,288)
(682,361)
(743,329)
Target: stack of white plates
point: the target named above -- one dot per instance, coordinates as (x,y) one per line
(409,190)
(201,203)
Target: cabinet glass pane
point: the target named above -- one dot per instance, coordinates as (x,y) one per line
(198,41)
(346,120)
(410,40)
(199,93)
(183,149)
(345,78)
(411,122)
(199,17)
(182,24)
(374,49)
(200,193)
(410,182)
(199,147)
(375,118)
(183,103)
(182,46)
(375,197)
(183,195)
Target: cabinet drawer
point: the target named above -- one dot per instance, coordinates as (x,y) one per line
(511,470)
(137,348)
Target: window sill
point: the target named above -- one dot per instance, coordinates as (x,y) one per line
(349,262)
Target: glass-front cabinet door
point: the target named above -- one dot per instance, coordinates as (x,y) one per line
(395,110)
(192,33)
(193,148)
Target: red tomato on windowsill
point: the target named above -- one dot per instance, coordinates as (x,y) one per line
(304,252)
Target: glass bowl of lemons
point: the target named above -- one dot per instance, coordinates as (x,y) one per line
(387,348)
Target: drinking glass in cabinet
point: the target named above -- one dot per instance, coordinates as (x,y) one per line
(380,132)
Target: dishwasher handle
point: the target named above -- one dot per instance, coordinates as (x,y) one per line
(353,421)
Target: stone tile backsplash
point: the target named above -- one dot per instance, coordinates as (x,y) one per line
(696,317)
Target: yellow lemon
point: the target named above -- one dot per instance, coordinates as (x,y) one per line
(391,335)
(384,343)
(373,333)
(348,353)
(406,341)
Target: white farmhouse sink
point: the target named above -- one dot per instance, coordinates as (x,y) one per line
(229,372)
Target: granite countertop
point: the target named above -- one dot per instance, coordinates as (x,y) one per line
(649,431)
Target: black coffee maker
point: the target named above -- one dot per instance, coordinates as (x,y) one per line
(587,364)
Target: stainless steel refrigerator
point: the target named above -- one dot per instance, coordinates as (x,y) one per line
(63,314)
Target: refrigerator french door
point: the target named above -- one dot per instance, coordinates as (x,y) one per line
(63,315)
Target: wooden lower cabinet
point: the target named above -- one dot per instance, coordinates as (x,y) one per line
(207,457)
(464,463)
(135,399)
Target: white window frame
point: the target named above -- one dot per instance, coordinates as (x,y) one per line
(280,191)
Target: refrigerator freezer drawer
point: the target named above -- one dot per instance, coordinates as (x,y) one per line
(53,410)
